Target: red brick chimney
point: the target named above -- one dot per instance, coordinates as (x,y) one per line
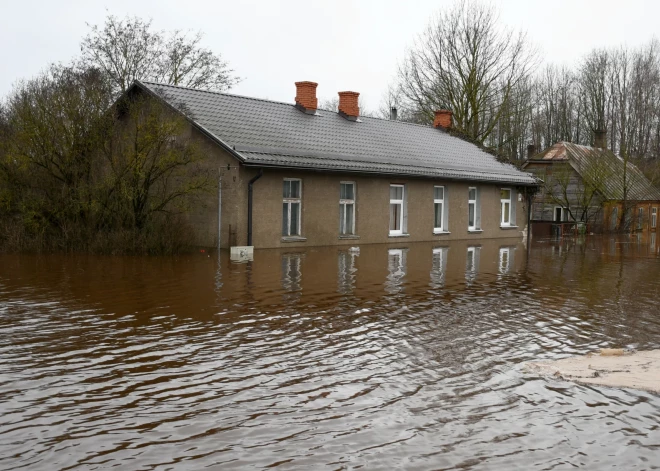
(306,96)
(442,119)
(348,104)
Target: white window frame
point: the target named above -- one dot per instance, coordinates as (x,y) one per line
(472,202)
(654,217)
(347,202)
(440,201)
(563,215)
(503,201)
(289,201)
(403,208)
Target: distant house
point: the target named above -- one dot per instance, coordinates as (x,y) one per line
(591,185)
(292,175)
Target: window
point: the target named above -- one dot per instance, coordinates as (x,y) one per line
(640,218)
(291,207)
(474,211)
(654,217)
(397,209)
(614,218)
(505,203)
(439,224)
(347,208)
(561,214)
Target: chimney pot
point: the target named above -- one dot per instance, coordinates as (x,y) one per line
(306,96)
(531,150)
(442,119)
(600,139)
(393,113)
(348,104)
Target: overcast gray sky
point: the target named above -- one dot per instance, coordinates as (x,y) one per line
(342,45)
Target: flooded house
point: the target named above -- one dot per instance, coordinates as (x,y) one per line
(590,189)
(293,175)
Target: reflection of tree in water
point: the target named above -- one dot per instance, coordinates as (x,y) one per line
(396,267)
(346,271)
(472,264)
(439,267)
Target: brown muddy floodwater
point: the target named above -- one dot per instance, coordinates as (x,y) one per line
(406,357)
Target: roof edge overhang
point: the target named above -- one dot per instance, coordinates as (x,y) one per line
(308,168)
(231,150)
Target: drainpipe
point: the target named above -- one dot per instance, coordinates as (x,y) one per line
(250,183)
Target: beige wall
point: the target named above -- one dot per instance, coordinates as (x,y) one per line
(320,210)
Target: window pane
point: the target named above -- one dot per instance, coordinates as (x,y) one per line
(438,192)
(349,219)
(295,188)
(438,215)
(295,218)
(342,217)
(395,217)
(506,211)
(286,189)
(471,215)
(473,194)
(346,192)
(285,219)
(396,192)
(505,194)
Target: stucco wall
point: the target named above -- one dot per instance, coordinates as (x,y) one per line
(320,210)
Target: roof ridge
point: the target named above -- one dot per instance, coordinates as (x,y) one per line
(160,84)
(213,92)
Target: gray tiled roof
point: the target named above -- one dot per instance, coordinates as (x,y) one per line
(269,133)
(603,166)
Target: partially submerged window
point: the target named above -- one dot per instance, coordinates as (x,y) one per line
(474,210)
(439,209)
(347,208)
(291,207)
(397,209)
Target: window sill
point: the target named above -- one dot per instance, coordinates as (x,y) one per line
(475,231)
(398,235)
(508,227)
(349,237)
(294,239)
(441,232)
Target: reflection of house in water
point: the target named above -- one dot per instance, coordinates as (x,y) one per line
(291,271)
(506,260)
(439,267)
(396,268)
(472,264)
(346,271)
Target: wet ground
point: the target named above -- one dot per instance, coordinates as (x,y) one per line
(406,357)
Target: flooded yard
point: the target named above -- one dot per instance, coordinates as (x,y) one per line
(386,357)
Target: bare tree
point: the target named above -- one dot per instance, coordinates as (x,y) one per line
(466,62)
(129,49)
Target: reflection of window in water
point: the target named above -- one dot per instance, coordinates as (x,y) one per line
(506,259)
(472,264)
(652,237)
(439,266)
(396,266)
(291,272)
(346,271)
